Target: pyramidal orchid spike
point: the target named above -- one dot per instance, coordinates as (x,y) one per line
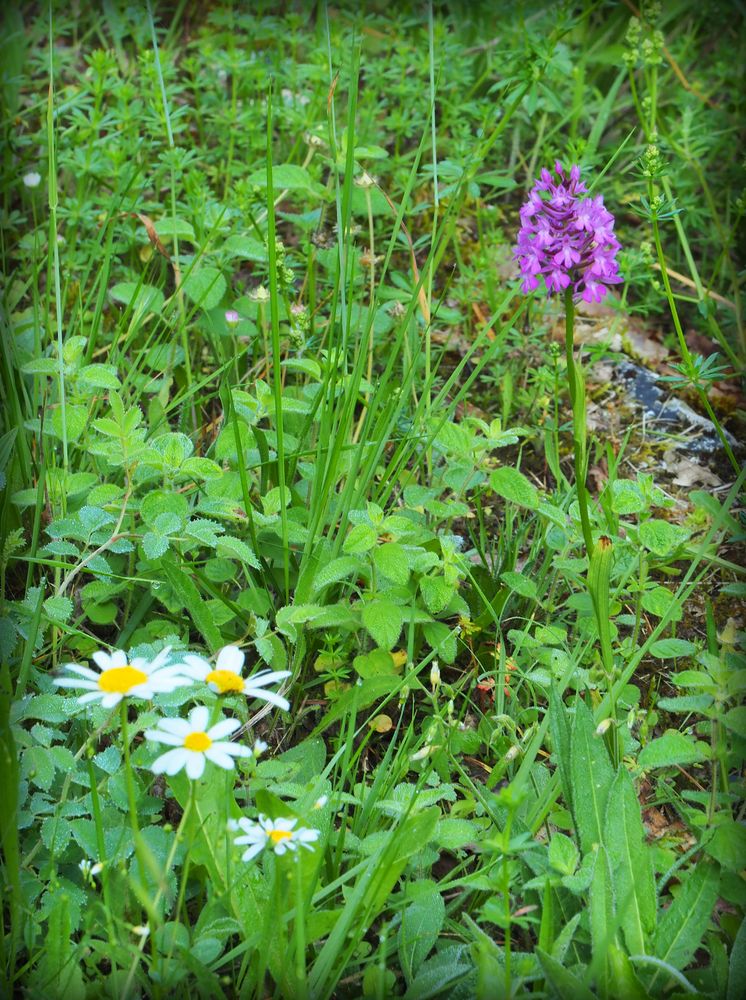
(567,237)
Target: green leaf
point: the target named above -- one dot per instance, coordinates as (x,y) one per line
(601,918)
(662,537)
(421,924)
(360,539)
(144,298)
(669,749)
(204,286)
(290,176)
(59,609)
(519,584)
(392,561)
(154,545)
(514,486)
(76,421)
(567,985)
(186,591)
(436,593)
(626,497)
(563,854)
(234,548)
(383,620)
(735,720)
(334,571)
(246,248)
(728,845)
(737,965)
(668,649)
(592,776)
(100,376)
(559,728)
(631,863)
(170,227)
(377,663)
(453,833)
(441,638)
(683,925)
(659,602)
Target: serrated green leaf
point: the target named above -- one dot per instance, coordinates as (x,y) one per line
(360,539)
(421,924)
(392,561)
(662,537)
(383,620)
(334,571)
(100,376)
(670,749)
(436,593)
(514,486)
(154,545)
(59,609)
(234,548)
(519,584)
(205,287)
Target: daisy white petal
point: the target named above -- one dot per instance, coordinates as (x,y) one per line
(224,728)
(195,765)
(230,658)
(199,717)
(110,700)
(270,696)
(251,852)
(232,749)
(216,755)
(170,762)
(267,677)
(92,696)
(76,668)
(179,727)
(159,736)
(70,682)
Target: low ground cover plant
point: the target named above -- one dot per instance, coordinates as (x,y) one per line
(362,633)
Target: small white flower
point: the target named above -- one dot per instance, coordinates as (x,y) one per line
(32,179)
(435,676)
(194,744)
(142,930)
(321,801)
(279,834)
(259,747)
(259,294)
(225,677)
(603,726)
(232,318)
(117,678)
(89,869)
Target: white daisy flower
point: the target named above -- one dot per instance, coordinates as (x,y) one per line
(32,179)
(225,677)
(279,834)
(194,744)
(117,678)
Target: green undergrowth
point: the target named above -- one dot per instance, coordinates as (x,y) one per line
(257,276)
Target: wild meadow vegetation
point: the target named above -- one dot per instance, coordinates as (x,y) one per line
(362,633)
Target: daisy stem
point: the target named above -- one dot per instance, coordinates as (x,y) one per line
(131,797)
(301,978)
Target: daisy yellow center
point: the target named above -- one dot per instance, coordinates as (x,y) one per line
(225,680)
(121,680)
(277,835)
(198,741)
